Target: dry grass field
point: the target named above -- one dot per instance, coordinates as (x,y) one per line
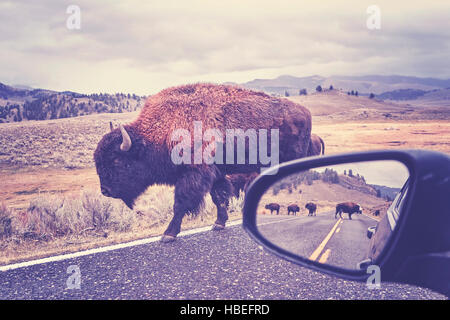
(49,195)
(325,196)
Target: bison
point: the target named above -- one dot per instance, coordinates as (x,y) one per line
(348,207)
(135,156)
(316,146)
(273,207)
(311,207)
(294,209)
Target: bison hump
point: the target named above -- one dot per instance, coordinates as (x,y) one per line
(217,107)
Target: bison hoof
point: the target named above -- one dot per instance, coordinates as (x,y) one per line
(218,227)
(167,238)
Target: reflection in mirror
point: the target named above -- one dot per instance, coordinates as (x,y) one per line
(327,214)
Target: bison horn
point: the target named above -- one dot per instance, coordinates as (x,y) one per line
(126,141)
(111,128)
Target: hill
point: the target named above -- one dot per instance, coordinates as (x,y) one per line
(20,103)
(338,105)
(365,85)
(326,189)
(401,94)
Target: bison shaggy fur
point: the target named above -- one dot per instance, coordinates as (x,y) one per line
(241,181)
(311,207)
(273,207)
(294,209)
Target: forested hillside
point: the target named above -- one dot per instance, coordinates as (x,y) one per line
(39,104)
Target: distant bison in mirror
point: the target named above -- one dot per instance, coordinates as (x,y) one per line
(347,207)
(294,209)
(273,207)
(135,156)
(311,207)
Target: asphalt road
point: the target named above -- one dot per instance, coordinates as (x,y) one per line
(339,242)
(210,265)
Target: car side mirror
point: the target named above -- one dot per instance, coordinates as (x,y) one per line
(348,215)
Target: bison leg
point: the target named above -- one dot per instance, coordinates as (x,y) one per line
(220,193)
(190,191)
(340,214)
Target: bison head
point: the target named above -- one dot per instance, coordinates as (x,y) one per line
(121,163)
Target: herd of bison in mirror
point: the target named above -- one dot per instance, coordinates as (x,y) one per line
(324,214)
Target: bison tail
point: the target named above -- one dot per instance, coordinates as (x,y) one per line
(323,145)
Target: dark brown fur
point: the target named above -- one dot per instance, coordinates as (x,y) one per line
(294,209)
(273,207)
(241,181)
(347,207)
(312,207)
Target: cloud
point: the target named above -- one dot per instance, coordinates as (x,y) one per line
(142,47)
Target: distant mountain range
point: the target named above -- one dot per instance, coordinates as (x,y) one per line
(19,103)
(365,85)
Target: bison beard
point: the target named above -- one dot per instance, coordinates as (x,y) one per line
(130,159)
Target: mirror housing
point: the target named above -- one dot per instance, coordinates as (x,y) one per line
(417,252)
(371,231)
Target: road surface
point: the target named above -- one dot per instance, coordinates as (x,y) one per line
(339,242)
(223,264)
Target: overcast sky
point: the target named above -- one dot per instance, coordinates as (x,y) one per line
(388,173)
(144,46)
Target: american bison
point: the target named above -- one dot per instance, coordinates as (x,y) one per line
(312,207)
(348,207)
(294,209)
(376,213)
(133,157)
(316,146)
(273,207)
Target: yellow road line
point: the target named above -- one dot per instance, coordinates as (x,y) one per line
(319,249)
(325,256)
(338,229)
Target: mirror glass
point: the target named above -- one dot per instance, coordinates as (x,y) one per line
(340,215)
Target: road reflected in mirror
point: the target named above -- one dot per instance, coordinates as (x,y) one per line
(340,215)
